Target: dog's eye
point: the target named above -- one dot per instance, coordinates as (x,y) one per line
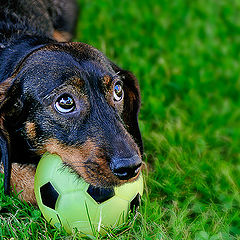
(118,92)
(65,104)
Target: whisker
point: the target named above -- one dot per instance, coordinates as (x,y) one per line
(116,74)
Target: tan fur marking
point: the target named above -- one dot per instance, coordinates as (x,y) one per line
(62,36)
(106,79)
(4,87)
(77,81)
(22,179)
(31,130)
(2,122)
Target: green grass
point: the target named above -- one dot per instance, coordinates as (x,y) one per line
(186,56)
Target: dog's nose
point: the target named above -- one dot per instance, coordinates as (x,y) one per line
(126,168)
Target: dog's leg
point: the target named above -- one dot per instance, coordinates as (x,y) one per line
(22,180)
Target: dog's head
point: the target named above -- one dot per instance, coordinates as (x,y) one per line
(69,99)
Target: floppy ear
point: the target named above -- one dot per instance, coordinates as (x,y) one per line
(4,148)
(132,103)
(9,107)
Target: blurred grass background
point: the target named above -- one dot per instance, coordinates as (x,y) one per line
(186,57)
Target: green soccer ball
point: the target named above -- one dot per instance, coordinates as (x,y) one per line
(67,200)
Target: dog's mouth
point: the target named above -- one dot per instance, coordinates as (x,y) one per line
(102,181)
(91,164)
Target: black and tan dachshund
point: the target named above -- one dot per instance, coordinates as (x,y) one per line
(62,97)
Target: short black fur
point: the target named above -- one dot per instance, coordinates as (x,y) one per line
(36,69)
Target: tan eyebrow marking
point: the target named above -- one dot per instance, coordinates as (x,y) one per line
(31,130)
(106,79)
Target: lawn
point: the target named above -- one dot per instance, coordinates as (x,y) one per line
(186,56)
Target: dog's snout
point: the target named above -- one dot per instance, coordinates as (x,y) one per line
(126,168)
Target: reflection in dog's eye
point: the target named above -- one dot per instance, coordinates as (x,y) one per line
(118,92)
(65,104)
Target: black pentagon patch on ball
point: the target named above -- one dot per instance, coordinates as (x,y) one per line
(134,204)
(49,195)
(100,195)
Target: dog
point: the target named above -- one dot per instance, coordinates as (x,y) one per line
(62,97)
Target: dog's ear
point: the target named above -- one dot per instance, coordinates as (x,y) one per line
(10,107)
(132,103)
(5,162)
